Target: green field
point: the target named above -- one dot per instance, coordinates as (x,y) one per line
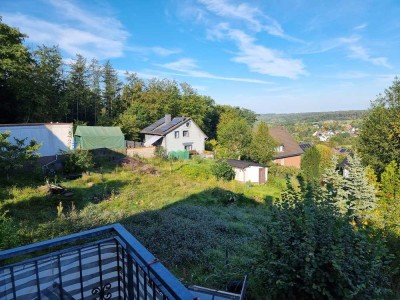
(207,232)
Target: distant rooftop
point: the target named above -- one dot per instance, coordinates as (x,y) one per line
(290,147)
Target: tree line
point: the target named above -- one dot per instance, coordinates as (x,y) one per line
(36,85)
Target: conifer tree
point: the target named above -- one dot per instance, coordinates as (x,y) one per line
(357,194)
(262,146)
(310,164)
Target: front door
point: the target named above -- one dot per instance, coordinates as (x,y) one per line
(261,175)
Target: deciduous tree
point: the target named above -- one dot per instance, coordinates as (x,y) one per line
(379,142)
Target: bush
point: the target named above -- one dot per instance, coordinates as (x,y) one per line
(8,232)
(196,170)
(283,171)
(223,170)
(160,152)
(77,161)
(310,251)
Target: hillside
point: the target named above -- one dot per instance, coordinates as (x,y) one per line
(310,117)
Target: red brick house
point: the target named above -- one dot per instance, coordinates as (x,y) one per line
(288,152)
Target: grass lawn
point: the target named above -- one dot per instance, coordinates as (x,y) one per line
(180,212)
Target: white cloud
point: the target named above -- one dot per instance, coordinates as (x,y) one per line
(361,26)
(251,15)
(76,31)
(259,59)
(359,52)
(188,67)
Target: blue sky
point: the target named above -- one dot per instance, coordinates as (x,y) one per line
(275,56)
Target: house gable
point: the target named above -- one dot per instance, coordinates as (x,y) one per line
(287,144)
(178,134)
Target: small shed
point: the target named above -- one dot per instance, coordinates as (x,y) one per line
(53,137)
(95,137)
(248,171)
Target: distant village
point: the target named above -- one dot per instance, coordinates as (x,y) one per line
(324,135)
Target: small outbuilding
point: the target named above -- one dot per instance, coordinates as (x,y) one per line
(95,137)
(248,171)
(53,137)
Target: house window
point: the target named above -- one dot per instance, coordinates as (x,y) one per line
(185,133)
(279,148)
(188,147)
(176,134)
(282,162)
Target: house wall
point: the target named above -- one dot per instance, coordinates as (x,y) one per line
(249,174)
(196,138)
(53,137)
(293,161)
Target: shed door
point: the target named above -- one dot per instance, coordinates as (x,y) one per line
(261,175)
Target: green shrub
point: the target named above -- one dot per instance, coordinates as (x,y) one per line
(283,171)
(8,232)
(223,170)
(196,170)
(77,161)
(310,251)
(160,152)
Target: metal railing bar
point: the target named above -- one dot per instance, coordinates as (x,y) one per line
(243,292)
(37,280)
(53,254)
(170,285)
(80,271)
(137,280)
(130,277)
(44,245)
(60,277)
(123,272)
(13,282)
(145,285)
(100,267)
(118,269)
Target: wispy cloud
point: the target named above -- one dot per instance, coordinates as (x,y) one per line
(161,51)
(81,32)
(189,68)
(258,58)
(353,44)
(329,44)
(359,52)
(361,26)
(348,75)
(251,15)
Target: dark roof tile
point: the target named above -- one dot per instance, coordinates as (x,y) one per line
(290,147)
(242,164)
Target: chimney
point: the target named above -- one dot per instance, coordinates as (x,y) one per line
(167,118)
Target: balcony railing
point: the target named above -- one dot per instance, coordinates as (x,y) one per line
(103,263)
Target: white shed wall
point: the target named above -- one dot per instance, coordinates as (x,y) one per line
(53,137)
(249,174)
(240,175)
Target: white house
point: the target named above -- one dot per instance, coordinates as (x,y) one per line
(248,171)
(52,136)
(179,133)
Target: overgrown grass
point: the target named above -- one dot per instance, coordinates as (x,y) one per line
(206,231)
